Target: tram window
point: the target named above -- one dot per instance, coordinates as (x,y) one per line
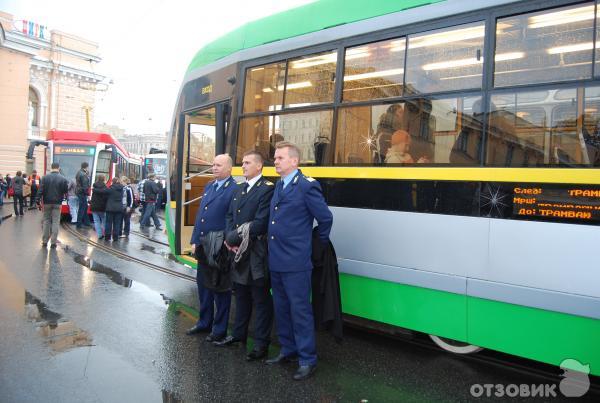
(261,133)
(311,80)
(543,133)
(200,139)
(202,146)
(103,166)
(591,127)
(264,88)
(374,70)
(420,131)
(446,59)
(548,46)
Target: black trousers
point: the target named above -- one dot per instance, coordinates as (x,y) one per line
(18,198)
(245,297)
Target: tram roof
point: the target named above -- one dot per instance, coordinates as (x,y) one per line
(305,19)
(85,137)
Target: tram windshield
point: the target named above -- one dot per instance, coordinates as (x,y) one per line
(157,165)
(70,158)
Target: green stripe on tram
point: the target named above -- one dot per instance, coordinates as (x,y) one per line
(537,334)
(302,20)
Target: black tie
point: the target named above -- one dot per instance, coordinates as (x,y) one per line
(216,186)
(246,186)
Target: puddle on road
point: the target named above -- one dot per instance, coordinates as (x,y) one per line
(59,333)
(120,279)
(115,276)
(165,255)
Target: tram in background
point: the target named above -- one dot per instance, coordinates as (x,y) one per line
(457,144)
(103,153)
(156,162)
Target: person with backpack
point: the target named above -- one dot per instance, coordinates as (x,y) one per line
(17,189)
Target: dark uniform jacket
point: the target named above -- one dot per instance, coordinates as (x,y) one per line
(211,218)
(326,296)
(253,207)
(52,188)
(292,213)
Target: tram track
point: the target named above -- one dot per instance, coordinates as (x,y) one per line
(487,357)
(125,256)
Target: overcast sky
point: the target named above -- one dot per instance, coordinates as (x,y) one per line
(145,46)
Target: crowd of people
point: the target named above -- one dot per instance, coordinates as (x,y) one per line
(111,206)
(253,238)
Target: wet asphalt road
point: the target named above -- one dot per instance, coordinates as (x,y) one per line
(79,325)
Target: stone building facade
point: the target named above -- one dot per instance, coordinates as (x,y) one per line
(48,80)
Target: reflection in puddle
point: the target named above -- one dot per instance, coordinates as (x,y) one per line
(164,254)
(60,334)
(113,275)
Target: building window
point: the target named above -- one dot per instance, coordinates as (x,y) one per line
(34,109)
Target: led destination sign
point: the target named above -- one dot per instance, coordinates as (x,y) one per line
(74,150)
(570,203)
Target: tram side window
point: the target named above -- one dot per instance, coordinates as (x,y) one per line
(536,128)
(262,133)
(104,162)
(547,46)
(311,80)
(591,127)
(264,88)
(374,70)
(446,59)
(419,131)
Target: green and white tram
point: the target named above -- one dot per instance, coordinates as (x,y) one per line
(457,143)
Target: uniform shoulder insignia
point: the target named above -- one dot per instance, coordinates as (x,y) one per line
(308,178)
(240,182)
(269,183)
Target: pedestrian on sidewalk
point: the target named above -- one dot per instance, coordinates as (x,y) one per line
(140,188)
(151,191)
(98,204)
(115,206)
(17,186)
(82,181)
(26,189)
(34,180)
(51,192)
(129,202)
(73,201)
(3,189)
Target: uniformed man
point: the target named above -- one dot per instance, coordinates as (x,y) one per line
(211,217)
(247,222)
(296,203)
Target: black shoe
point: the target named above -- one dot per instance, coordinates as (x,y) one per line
(282,359)
(196,329)
(215,338)
(44,244)
(227,341)
(158,228)
(257,354)
(53,245)
(101,237)
(304,371)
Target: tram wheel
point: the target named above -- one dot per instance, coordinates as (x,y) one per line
(454,346)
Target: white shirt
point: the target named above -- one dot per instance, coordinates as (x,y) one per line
(252,181)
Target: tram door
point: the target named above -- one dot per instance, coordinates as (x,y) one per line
(205,131)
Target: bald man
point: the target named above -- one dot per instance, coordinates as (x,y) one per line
(211,218)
